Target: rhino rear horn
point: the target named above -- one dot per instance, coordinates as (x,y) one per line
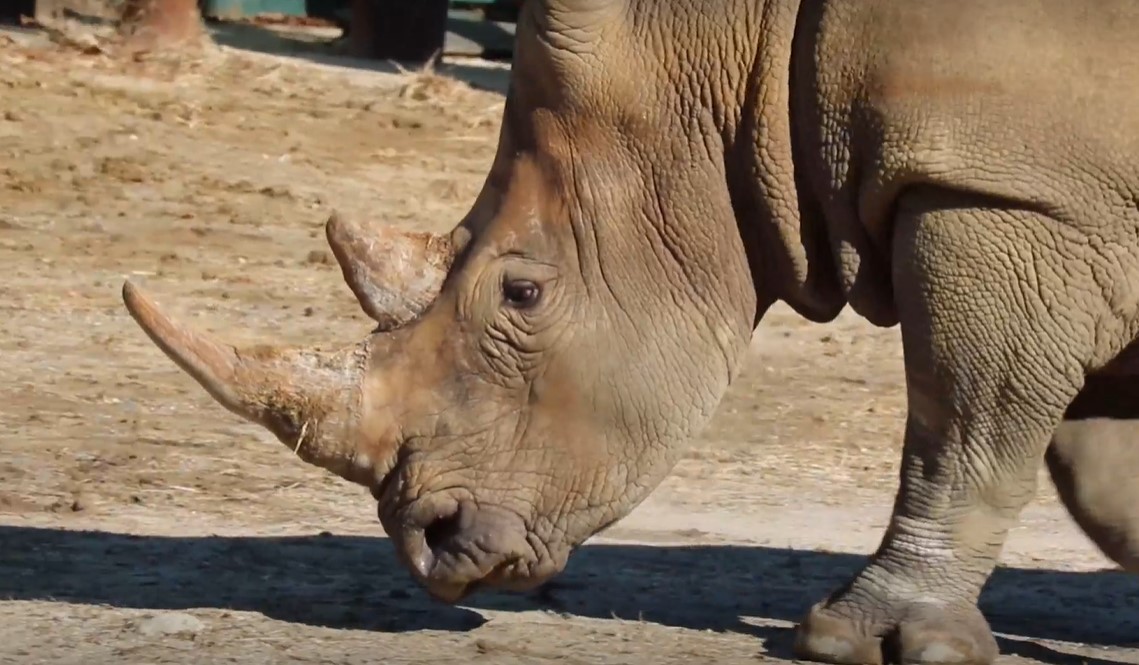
(395,275)
(309,399)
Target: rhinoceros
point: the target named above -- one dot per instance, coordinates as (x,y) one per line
(666,171)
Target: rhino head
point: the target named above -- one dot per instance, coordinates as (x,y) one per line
(536,372)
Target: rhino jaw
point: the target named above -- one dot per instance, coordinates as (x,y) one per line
(310,400)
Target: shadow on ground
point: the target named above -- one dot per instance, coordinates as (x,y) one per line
(355,582)
(250,37)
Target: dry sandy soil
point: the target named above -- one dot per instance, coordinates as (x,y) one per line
(141,523)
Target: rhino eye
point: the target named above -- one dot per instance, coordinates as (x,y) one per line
(520,293)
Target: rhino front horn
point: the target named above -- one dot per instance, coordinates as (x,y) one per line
(310,400)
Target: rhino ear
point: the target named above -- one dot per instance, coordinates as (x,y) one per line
(395,275)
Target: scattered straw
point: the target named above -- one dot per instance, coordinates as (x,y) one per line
(301,438)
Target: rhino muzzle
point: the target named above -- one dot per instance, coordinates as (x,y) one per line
(455,547)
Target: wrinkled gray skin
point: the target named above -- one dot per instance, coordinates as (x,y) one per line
(669,169)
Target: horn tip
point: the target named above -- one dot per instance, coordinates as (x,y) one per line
(208,361)
(146,314)
(162,330)
(340,230)
(337,225)
(136,301)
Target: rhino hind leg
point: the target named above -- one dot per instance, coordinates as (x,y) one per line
(1094,462)
(991,367)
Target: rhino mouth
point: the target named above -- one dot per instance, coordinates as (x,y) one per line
(456,547)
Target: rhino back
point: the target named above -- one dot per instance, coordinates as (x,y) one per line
(1030,102)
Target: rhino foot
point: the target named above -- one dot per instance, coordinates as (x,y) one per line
(868,633)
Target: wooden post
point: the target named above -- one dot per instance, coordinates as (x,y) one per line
(411,31)
(160,24)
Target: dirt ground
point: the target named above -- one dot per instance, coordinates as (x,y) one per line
(141,523)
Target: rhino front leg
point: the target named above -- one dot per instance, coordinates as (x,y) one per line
(997,324)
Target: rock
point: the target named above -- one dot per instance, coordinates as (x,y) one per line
(319,257)
(171,623)
(79,503)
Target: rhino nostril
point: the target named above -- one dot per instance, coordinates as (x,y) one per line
(443,529)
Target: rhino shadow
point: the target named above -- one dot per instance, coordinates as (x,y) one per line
(354,582)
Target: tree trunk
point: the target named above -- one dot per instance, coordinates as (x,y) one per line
(161,24)
(409,31)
